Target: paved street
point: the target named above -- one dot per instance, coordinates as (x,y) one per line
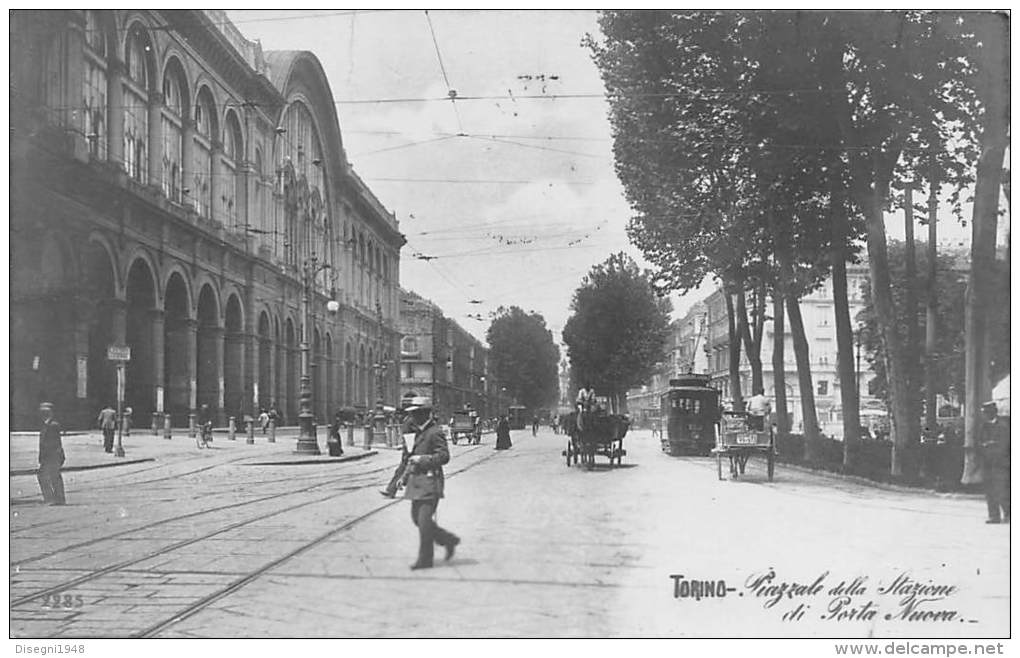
(209,545)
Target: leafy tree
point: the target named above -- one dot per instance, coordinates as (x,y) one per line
(951,290)
(694,149)
(524,357)
(618,329)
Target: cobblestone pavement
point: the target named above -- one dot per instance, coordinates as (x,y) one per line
(235,550)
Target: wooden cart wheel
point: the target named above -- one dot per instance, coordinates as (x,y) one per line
(718,463)
(568,454)
(772,464)
(733,466)
(742,463)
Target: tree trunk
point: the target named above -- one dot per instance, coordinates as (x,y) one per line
(870,178)
(994,94)
(849,395)
(912,352)
(931,315)
(905,423)
(779,364)
(807,392)
(752,337)
(734,347)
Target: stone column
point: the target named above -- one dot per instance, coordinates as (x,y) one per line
(250,378)
(155,163)
(239,402)
(115,105)
(273,392)
(188,163)
(191,358)
(216,209)
(73,67)
(217,343)
(117,308)
(158,353)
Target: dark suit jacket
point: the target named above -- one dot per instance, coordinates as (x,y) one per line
(51,450)
(994,443)
(426,477)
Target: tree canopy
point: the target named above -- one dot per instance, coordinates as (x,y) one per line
(618,328)
(524,356)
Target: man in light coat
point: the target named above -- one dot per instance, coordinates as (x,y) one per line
(424,461)
(108,423)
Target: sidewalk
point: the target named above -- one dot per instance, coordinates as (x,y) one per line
(84,451)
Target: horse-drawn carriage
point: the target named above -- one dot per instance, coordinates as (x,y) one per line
(597,433)
(738,439)
(465,425)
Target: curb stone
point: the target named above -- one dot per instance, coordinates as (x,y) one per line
(857,479)
(303,462)
(85,467)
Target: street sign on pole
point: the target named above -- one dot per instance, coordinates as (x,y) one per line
(118,353)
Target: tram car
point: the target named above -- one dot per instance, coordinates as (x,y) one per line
(518,417)
(690,413)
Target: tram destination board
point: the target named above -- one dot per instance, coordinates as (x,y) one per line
(118,353)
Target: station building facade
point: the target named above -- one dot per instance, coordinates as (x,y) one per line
(176,190)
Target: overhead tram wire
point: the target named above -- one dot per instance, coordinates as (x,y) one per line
(534,146)
(450,90)
(403,146)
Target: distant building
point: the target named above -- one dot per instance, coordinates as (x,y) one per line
(441,361)
(700,343)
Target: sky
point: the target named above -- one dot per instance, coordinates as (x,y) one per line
(515,194)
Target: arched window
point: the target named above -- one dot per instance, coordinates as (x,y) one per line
(233,154)
(257,213)
(94,86)
(409,346)
(205,130)
(298,147)
(173,134)
(136,110)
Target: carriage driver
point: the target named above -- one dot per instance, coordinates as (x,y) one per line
(585,403)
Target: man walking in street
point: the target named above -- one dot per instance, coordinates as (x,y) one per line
(994,444)
(108,423)
(51,457)
(425,484)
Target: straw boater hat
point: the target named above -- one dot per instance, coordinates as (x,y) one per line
(418,403)
(45,406)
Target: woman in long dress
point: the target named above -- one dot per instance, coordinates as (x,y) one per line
(503,434)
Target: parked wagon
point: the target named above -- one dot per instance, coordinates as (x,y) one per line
(738,442)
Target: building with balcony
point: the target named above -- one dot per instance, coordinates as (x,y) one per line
(441,361)
(818,314)
(173,187)
(699,343)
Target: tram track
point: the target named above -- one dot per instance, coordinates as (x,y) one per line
(195,514)
(177,476)
(239,583)
(95,574)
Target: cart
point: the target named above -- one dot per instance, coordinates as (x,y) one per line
(603,435)
(465,424)
(738,441)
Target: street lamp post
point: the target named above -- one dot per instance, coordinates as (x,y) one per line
(379,420)
(307,444)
